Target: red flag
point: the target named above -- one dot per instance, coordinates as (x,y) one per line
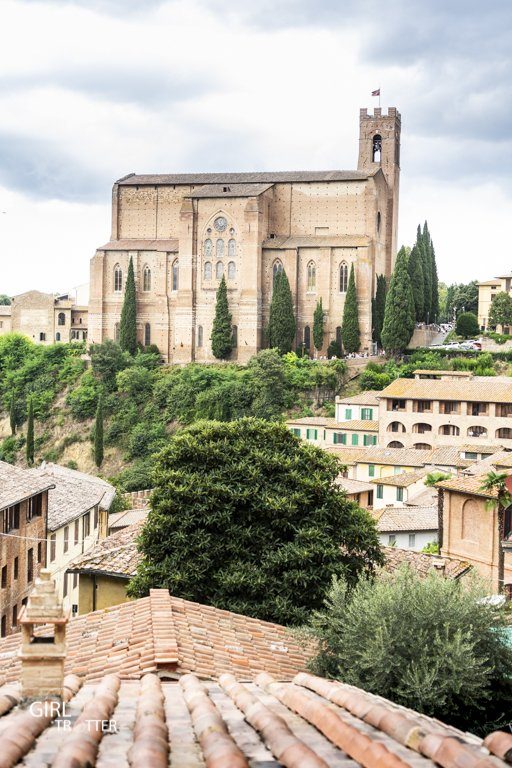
(376,93)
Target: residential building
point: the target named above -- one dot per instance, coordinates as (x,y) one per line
(487,290)
(23,516)
(423,413)
(357,490)
(361,407)
(45,318)
(191,685)
(324,432)
(184,232)
(470,530)
(398,489)
(407,527)
(78,507)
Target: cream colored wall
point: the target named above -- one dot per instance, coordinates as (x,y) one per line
(5,324)
(356,409)
(389,496)
(381,470)
(110,590)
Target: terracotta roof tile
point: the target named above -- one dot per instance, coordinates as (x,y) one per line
(392,519)
(471,484)
(424,563)
(117,554)
(369,397)
(255,177)
(403,480)
(362,425)
(18,484)
(354,486)
(478,389)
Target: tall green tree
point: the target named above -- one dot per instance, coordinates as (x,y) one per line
(318,325)
(222,331)
(235,522)
(426,268)
(12,414)
(501,310)
(98,433)
(350,333)
(128,326)
(435,308)
(399,315)
(378,308)
(29,448)
(281,325)
(417,282)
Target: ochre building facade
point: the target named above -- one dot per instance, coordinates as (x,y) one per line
(185,231)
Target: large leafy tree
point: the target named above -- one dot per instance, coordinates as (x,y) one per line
(318,325)
(467,325)
(128,326)
(501,310)
(429,644)
(350,334)
(399,315)
(222,331)
(281,324)
(246,517)
(379,308)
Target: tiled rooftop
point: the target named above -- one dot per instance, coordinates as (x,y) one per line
(346,455)
(356,425)
(425,498)
(471,484)
(230,190)
(73,494)
(166,246)
(18,484)
(403,480)
(400,457)
(171,636)
(308,723)
(117,554)
(391,519)
(255,177)
(354,486)
(128,517)
(423,563)
(370,397)
(479,389)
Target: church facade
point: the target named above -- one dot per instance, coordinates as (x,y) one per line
(185,231)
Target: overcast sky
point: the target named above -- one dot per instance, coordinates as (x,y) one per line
(91,90)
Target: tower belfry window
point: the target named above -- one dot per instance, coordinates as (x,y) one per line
(377,148)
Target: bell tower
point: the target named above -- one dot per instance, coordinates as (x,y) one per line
(379,147)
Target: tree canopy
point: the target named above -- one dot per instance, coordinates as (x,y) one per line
(501,310)
(246,517)
(467,325)
(399,315)
(429,644)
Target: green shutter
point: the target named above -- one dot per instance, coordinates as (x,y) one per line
(296,431)
(380,491)
(371,470)
(367,414)
(399,494)
(355,439)
(348,413)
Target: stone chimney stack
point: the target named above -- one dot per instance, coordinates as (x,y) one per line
(42,657)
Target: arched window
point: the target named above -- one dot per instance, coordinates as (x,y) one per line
(477,431)
(395,444)
(378,221)
(307,337)
(234,336)
(219,248)
(396,426)
(470,521)
(232,248)
(231,270)
(208,245)
(61,318)
(376,148)
(343,277)
(311,276)
(421,428)
(422,447)
(219,270)
(146,281)
(118,278)
(147,334)
(116,331)
(57,336)
(199,335)
(175,275)
(449,430)
(504,433)
(207,270)
(276,268)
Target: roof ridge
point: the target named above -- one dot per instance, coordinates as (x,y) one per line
(165,637)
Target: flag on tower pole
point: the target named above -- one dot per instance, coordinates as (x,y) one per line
(377,93)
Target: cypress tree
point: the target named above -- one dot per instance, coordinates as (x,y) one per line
(222,332)
(417,282)
(399,316)
(426,266)
(98,433)
(435,285)
(12,415)
(379,306)
(318,326)
(350,334)
(128,326)
(281,324)
(30,434)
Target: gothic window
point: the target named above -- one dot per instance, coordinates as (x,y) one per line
(232,248)
(207,270)
(343,277)
(231,270)
(208,245)
(378,221)
(307,337)
(311,276)
(147,334)
(57,337)
(146,280)
(376,148)
(61,319)
(234,336)
(219,270)
(118,278)
(276,268)
(219,248)
(199,335)
(116,331)
(175,275)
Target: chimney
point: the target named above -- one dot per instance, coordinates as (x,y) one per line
(439,565)
(42,657)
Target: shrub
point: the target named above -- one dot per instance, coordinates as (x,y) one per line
(83,400)
(467,325)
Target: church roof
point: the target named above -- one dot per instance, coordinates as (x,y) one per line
(317,241)
(140,245)
(259,177)
(232,190)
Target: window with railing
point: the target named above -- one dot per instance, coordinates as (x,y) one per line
(396,405)
(422,406)
(504,410)
(449,407)
(478,409)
